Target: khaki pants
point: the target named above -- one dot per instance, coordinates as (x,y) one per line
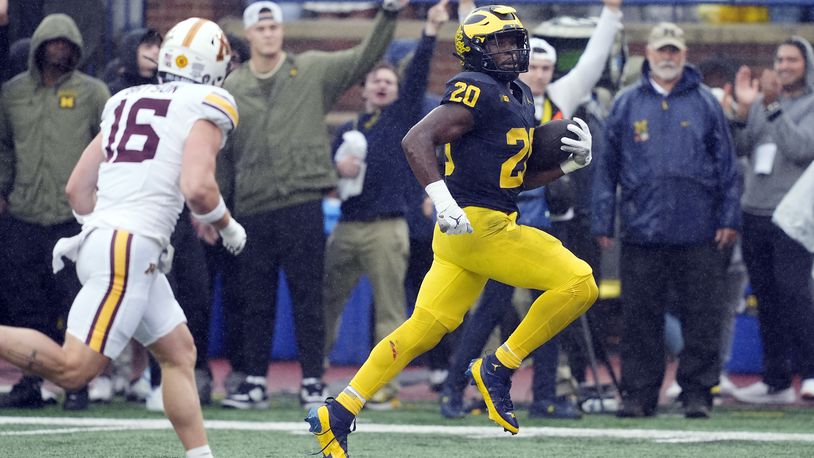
(378,249)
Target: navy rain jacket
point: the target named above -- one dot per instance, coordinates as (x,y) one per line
(674,160)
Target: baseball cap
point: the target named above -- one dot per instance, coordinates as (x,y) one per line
(541,49)
(259,11)
(666,34)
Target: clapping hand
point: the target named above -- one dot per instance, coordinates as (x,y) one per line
(747,90)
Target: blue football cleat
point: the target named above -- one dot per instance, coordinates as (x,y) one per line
(331,432)
(494,382)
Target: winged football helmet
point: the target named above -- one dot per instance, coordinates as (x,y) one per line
(493,40)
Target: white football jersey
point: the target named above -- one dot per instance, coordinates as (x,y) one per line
(143,130)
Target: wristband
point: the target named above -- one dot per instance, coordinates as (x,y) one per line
(215,215)
(439,194)
(569,165)
(79,218)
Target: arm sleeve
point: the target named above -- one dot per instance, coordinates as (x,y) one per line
(571,89)
(342,68)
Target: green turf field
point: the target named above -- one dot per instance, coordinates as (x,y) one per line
(415,430)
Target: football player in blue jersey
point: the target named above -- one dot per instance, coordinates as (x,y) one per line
(485,125)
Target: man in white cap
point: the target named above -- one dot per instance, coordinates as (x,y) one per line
(258,11)
(280,165)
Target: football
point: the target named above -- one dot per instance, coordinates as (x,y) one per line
(545,145)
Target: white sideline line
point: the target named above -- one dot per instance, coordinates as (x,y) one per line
(76,425)
(37,432)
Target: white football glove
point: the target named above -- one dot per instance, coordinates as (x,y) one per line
(451,218)
(580,149)
(453,221)
(234,237)
(79,218)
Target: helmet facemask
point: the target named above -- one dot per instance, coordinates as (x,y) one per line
(506,53)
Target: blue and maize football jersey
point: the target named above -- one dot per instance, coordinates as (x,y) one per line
(485,166)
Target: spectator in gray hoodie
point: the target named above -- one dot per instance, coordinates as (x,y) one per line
(775,128)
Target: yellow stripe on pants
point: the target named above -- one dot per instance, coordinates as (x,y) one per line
(113,297)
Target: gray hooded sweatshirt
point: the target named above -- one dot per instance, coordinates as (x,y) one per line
(793,133)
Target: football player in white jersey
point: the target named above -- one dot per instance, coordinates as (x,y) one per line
(156,149)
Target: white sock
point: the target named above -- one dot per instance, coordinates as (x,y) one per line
(200,452)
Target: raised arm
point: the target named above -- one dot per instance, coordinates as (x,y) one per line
(343,68)
(569,91)
(411,93)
